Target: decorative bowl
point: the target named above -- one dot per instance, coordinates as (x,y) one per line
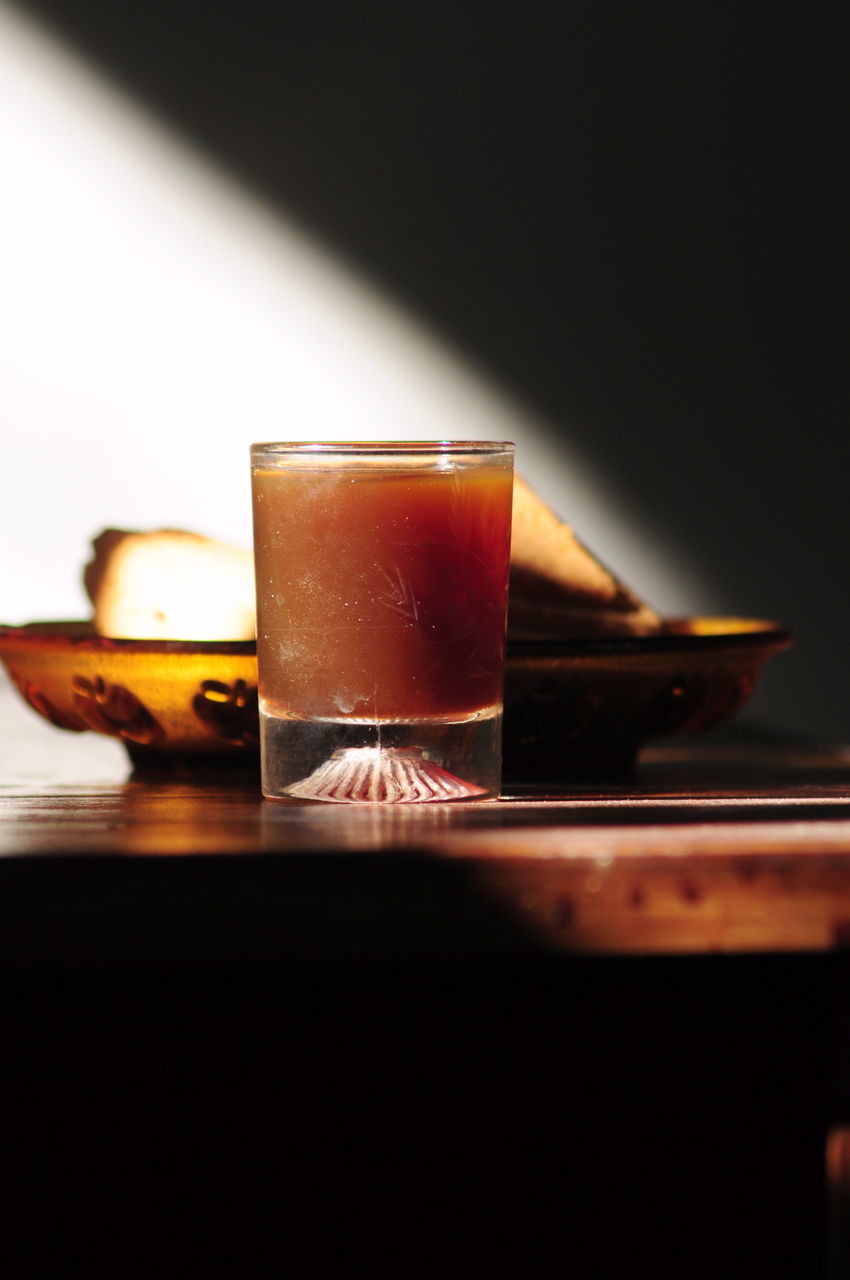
(590,704)
(162,698)
(569,704)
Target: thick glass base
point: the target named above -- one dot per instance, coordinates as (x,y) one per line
(352,762)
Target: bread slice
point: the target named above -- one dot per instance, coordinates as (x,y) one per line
(170,584)
(558,587)
(177,585)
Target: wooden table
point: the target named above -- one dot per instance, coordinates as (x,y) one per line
(607,1018)
(707,847)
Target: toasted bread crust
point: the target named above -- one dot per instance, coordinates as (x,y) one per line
(170,584)
(174,584)
(558,586)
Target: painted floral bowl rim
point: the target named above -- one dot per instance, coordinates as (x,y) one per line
(685,633)
(590,702)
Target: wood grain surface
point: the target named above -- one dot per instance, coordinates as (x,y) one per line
(705,847)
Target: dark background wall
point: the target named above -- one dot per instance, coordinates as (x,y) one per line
(634,216)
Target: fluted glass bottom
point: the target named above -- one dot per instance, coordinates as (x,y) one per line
(357,762)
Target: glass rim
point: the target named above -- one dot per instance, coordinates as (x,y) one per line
(400,448)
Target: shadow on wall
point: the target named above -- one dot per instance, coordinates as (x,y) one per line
(635,219)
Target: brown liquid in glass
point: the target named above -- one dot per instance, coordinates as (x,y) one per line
(381,594)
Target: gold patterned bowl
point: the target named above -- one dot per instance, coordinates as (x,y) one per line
(570,704)
(593,703)
(162,698)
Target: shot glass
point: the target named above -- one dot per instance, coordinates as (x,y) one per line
(382,579)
